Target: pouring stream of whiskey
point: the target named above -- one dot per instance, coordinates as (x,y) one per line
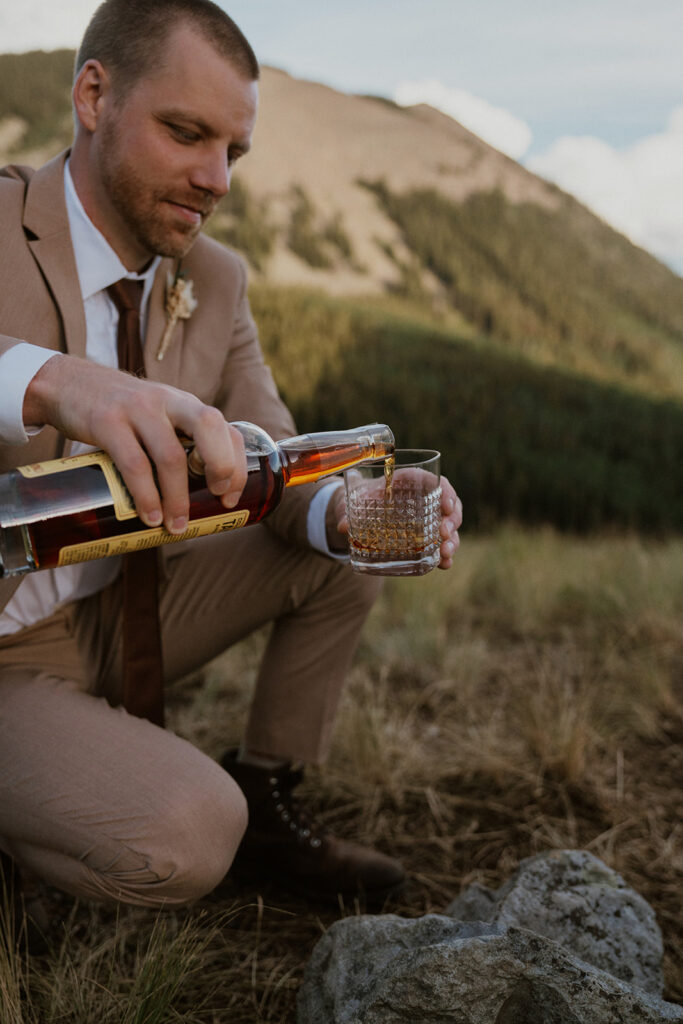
(389,464)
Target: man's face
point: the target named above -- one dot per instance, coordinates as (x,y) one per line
(163,157)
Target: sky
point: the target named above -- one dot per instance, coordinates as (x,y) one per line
(586,93)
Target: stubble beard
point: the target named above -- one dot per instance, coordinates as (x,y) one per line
(138,205)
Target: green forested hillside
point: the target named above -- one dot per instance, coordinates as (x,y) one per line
(554,283)
(523,442)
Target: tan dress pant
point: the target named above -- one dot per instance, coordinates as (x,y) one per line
(108,806)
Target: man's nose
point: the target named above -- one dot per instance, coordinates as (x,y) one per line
(213,173)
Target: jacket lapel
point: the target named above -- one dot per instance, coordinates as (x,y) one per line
(47,227)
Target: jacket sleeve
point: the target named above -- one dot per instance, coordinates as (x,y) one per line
(246,389)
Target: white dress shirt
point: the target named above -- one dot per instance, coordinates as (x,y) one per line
(98,266)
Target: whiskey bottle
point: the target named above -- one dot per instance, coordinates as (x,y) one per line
(77,508)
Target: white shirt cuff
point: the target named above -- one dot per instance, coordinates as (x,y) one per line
(18,367)
(315,524)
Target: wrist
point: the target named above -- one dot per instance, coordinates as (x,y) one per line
(336,541)
(38,395)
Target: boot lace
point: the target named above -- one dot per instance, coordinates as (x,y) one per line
(288,809)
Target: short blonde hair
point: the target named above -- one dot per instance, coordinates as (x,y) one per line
(128,37)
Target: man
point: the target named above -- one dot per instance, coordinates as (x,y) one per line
(95,800)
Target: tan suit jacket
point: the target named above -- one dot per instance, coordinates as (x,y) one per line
(215,354)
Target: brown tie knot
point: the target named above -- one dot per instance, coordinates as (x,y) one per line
(126,294)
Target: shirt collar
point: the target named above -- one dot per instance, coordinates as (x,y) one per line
(97,264)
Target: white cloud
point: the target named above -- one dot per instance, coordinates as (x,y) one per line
(497,126)
(637,189)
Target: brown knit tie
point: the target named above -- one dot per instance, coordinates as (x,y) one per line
(143,677)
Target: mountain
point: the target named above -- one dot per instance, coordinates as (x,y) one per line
(312,138)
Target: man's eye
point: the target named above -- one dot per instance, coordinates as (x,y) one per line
(183,134)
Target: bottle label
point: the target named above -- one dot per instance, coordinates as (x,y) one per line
(123,504)
(141,539)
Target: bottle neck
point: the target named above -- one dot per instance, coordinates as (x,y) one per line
(310,457)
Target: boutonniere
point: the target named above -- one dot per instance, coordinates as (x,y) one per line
(180,305)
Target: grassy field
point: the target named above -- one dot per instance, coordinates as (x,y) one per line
(530,699)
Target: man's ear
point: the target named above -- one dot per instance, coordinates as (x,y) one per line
(89,92)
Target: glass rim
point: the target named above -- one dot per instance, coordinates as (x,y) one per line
(421,456)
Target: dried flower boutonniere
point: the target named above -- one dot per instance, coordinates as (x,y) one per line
(180,305)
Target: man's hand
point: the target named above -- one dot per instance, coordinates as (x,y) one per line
(137,422)
(451,521)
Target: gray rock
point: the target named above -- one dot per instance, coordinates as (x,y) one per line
(389,970)
(572,897)
(354,955)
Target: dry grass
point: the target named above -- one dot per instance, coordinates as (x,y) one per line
(529,699)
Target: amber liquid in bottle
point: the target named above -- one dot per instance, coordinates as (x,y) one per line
(81,513)
(50,537)
(302,465)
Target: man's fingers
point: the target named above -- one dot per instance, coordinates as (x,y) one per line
(238,477)
(136,470)
(451,521)
(221,450)
(170,462)
(450,502)
(154,465)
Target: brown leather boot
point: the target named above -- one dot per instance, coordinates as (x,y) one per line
(282,846)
